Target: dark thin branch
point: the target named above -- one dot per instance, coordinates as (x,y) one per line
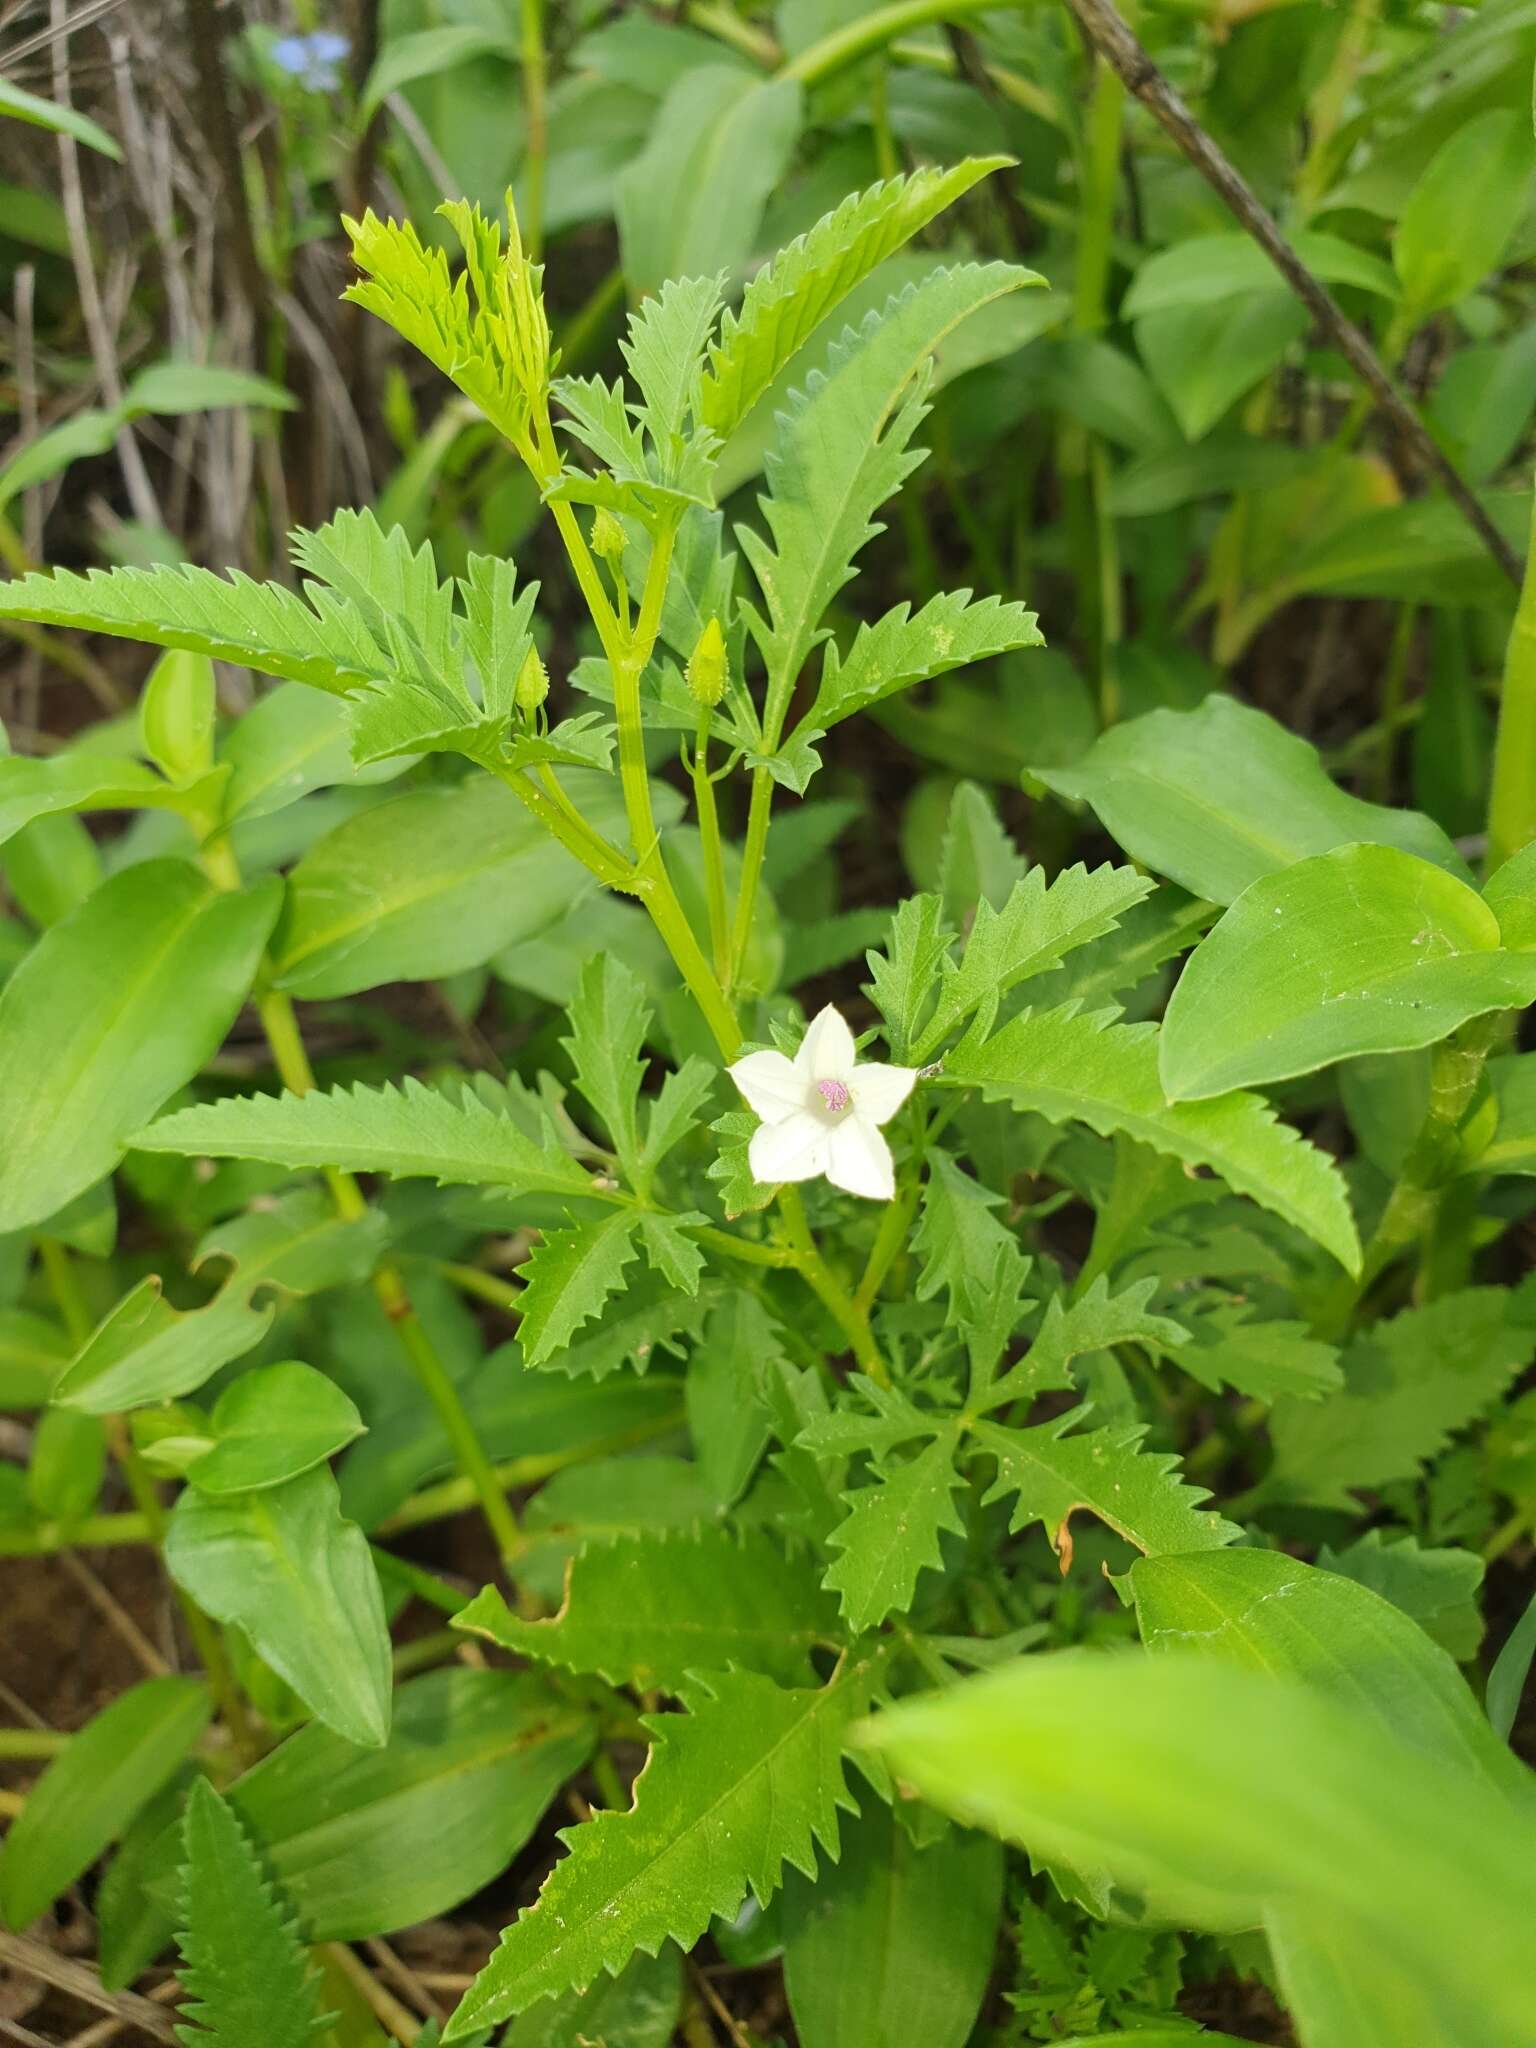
(1106,29)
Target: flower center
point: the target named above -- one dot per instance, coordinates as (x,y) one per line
(835,1095)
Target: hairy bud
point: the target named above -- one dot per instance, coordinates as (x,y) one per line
(532,684)
(708,666)
(608,536)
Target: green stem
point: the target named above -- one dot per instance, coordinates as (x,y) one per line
(535,76)
(759,810)
(22,1745)
(281,1026)
(889,1239)
(1512,806)
(845,46)
(850,1318)
(501,1294)
(714,860)
(1409,1215)
(452,1496)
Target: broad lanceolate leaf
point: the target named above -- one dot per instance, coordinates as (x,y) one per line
(691,203)
(1049,1474)
(364,1841)
(263,626)
(609,1019)
(896,1943)
(244,1969)
(568,1279)
(1275,1614)
(788,300)
(1243,1792)
(648,1612)
(432,882)
(145,1350)
(1409,1384)
(844,449)
(1217,797)
(114,1009)
(271,1424)
(901,649)
(749,1779)
(411,1132)
(891,1533)
(283,1565)
(1072,1067)
(90,1792)
(38,787)
(1361,950)
(1035,929)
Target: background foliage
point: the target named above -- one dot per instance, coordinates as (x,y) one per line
(1081,609)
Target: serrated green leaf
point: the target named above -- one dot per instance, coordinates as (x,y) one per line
(569,1277)
(485,330)
(1409,1384)
(244,1969)
(902,648)
(1263,1358)
(287,1568)
(609,1019)
(1072,1067)
(1097,1321)
(751,1778)
(673,1112)
(263,626)
(93,1789)
(497,629)
(1049,1475)
(648,1320)
(904,975)
(392,584)
(731,1169)
(409,1131)
(957,1236)
(891,1532)
(649,1611)
(671,1251)
(1362,950)
(664,354)
(790,297)
(843,449)
(1035,929)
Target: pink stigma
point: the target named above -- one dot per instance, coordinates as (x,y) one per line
(835,1095)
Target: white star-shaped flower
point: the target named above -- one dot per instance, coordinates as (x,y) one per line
(822,1111)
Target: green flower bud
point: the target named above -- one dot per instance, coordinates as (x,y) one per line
(609,539)
(708,666)
(532,684)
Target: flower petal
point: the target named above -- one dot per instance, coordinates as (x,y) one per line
(771,1085)
(878,1092)
(795,1149)
(827,1052)
(859,1160)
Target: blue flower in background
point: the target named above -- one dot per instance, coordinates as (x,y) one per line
(314,60)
